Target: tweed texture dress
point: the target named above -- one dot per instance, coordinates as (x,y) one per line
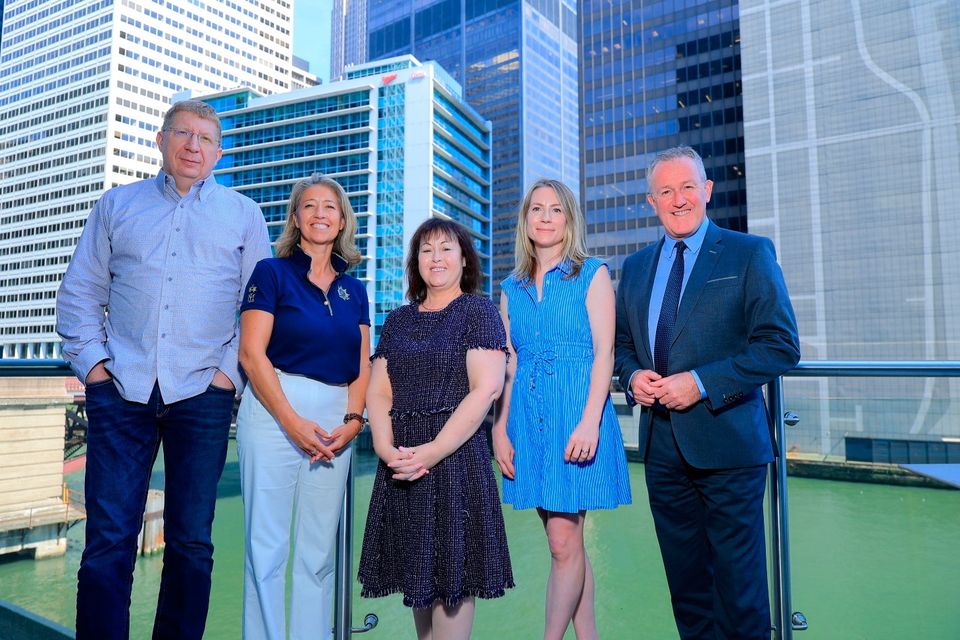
(554,347)
(440,537)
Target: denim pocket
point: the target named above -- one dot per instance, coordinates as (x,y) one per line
(216,389)
(97,384)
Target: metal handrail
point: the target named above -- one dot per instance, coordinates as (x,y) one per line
(785,620)
(876,368)
(343,628)
(36,368)
(779,517)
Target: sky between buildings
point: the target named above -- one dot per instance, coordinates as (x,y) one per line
(311,35)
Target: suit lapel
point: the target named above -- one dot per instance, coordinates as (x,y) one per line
(643,308)
(706,261)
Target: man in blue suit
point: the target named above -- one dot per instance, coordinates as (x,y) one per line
(703,322)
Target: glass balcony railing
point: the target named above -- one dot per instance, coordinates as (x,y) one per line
(868,560)
(875,421)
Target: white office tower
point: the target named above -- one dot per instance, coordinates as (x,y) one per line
(83,88)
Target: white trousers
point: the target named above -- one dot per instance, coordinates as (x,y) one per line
(283,491)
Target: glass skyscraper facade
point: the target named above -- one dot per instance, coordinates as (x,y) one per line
(853,156)
(656,74)
(348,36)
(399,138)
(517,61)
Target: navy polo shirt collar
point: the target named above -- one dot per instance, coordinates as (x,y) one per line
(301,259)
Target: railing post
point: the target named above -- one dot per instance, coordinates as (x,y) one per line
(343,584)
(779,526)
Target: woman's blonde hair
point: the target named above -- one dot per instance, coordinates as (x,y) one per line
(574,246)
(344,245)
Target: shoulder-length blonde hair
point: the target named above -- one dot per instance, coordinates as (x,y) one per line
(345,244)
(574,246)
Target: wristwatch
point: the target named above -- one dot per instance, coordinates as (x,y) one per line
(355,416)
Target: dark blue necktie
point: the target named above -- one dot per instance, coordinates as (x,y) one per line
(668,314)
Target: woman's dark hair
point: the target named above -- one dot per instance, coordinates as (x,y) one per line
(470,278)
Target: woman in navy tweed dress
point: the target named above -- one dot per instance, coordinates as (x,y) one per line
(557,439)
(435,526)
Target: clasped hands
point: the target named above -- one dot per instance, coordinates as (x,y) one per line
(316,442)
(412,463)
(676,392)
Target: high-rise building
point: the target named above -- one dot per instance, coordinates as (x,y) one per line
(348,36)
(399,138)
(300,76)
(83,87)
(656,74)
(853,152)
(517,61)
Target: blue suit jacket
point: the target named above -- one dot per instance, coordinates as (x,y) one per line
(735,326)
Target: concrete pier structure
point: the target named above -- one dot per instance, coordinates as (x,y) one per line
(151,534)
(35,506)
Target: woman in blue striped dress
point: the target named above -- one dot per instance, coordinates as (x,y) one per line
(556,438)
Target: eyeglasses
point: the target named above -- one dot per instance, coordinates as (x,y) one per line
(185,136)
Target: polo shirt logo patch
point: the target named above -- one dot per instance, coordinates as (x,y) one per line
(342,292)
(252,293)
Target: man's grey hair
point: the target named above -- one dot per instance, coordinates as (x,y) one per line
(676,153)
(195,107)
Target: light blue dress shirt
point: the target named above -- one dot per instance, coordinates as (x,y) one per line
(154,287)
(668,254)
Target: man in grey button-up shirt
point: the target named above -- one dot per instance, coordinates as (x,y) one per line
(148,315)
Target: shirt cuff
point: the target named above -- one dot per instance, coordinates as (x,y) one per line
(88,359)
(629,390)
(703,392)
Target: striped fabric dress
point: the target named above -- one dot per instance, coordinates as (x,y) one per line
(554,349)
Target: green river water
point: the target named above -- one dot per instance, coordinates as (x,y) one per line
(869,562)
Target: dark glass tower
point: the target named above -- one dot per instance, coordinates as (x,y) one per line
(517,62)
(655,74)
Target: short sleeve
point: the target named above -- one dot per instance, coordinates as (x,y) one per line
(364,304)
(484,327)
(384,340)
(508,284)
(262,289)
(589,269)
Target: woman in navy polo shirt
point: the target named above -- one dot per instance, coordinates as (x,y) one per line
(304,345)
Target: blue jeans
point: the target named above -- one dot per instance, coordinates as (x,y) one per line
(123,439)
